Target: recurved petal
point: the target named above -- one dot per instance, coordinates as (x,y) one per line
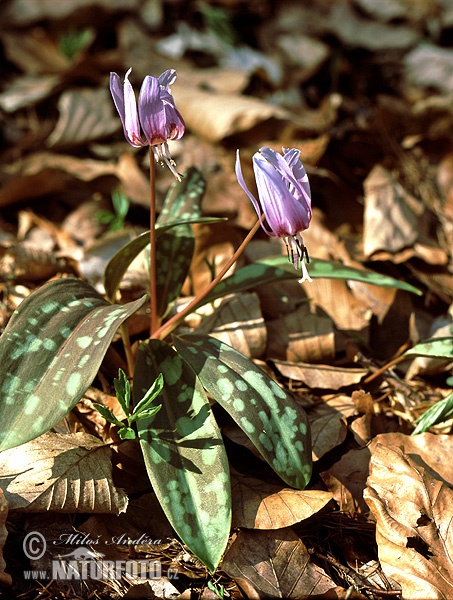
(167,78)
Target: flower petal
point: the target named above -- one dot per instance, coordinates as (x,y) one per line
(151,111)
(254,201)
(167,78)
(285,214)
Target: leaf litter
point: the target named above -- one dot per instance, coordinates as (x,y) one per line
(364,90)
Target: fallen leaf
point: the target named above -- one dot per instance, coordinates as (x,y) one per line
(239,323)
(302,336)
(413,523)
(320,376)
(85,115)
(276,564)
(65,473)
(328,429)
(261,505)
(386,201)
(346,479)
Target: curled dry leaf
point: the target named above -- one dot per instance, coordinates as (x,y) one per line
(276,564)
(63,473)
(261,505)
(413,512)
(328,429)
(5,579)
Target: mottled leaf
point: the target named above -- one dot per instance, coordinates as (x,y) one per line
(438,413)
(277,268)
(184,453)
(50,353)
(275,423)
(441,347)
(61,473)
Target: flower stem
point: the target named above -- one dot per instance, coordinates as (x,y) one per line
(152,236)
(168,327)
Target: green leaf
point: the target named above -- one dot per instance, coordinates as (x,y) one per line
(184,453)
(107,414)
(279,269)
(126,433)
(332,270)
(440,412)
(123,391)
(274,422)
(50,352)
(441,347)
(120,262)
(150,395)
(143,414)
(183,199)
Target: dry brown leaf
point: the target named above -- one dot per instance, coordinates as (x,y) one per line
(62,473)
(27,90)
(35,53)
(261,505)
(25,12)
(413,512)
(320,376)
(276,564)
(239,323)
(430,66)
(328,429)
(215,116)
(5,578)
(346,479)
(335,299)
(85,115)
(433,452)
(302,336)
(387,202)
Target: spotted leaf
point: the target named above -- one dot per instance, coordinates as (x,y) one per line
(274,422)
(277,268)
(184,453)
(440,347)
(50,352)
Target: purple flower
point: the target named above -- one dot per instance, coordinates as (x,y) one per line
(284,198)
(157,116)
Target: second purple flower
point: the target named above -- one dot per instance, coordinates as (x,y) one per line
(284,198)
(157,119)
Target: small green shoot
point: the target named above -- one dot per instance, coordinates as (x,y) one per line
(115,220)
(217,588)
(142,409)
(74,41)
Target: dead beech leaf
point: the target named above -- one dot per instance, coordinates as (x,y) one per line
(413,512)
(335,299)
(5,579)
(388,203)
(301,335)
(61,473)
(346,479)
(328,429)
(320,376)
(276,564)
(433,451)
(239,323)
(27,90)
(85,115)
(215,116)
(35,53)
(261,505)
